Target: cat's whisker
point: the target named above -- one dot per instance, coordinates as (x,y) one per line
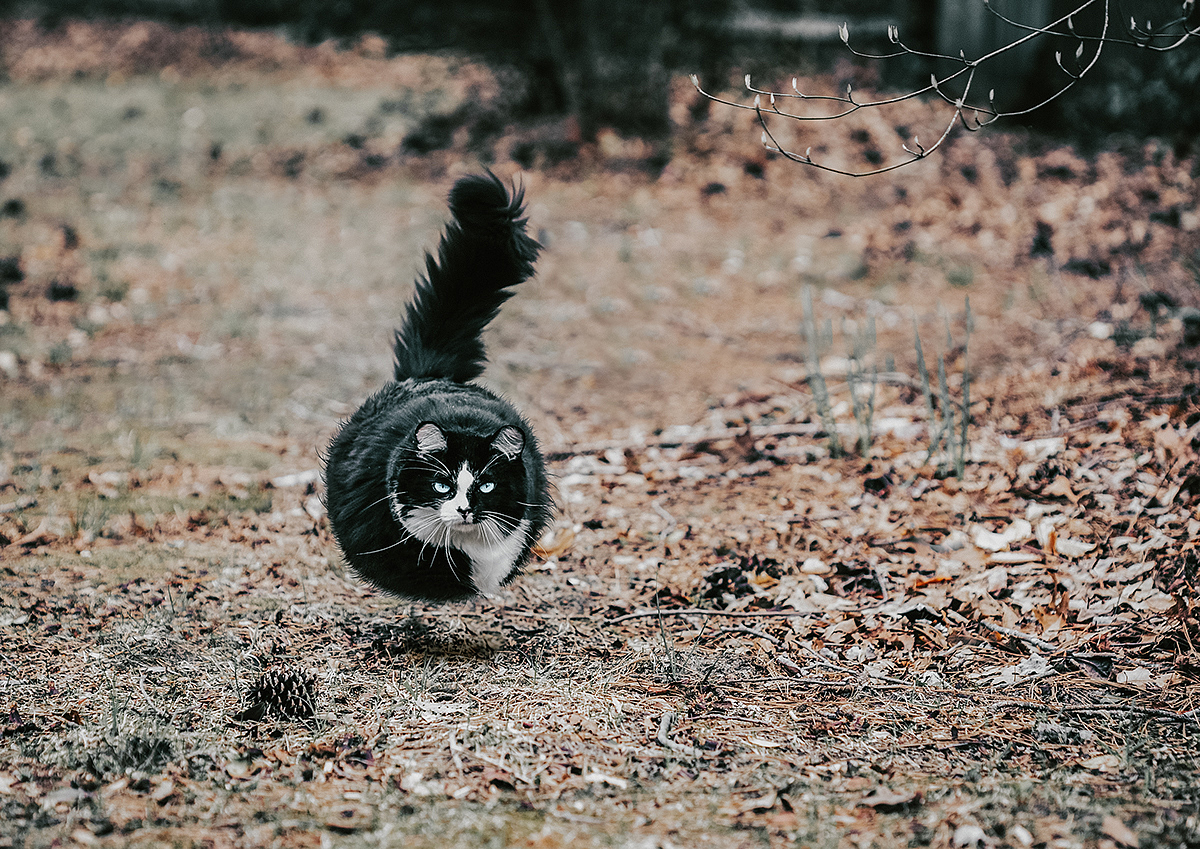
(500,517)
(431,530)
(500,525)
(489,463)
(438,469)
(427,461)
(440,542)
(381,550)
(497,528)
(500,532)
(367,507)
(437,466)
(489,532)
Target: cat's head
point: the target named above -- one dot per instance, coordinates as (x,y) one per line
(445,483)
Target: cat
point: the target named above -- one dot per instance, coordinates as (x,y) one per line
(435,487)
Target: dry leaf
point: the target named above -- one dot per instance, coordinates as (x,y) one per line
(969,836)
(44,532)
(885,798)
(115,787)
(1030,669)
(1040,449)
(1102,763)
(746,806)
(1018,531)
(766,744)
(107,483)
(1015,557)
(1118,831)
(314,507)
(296,479)
(611,780)
(1067,547)
(816,566)
(1061,488)
(348,819)
(989,540)
(1135,676)
(997,579)
(163,791)
(554,543)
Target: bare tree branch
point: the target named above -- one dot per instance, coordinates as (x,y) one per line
(955,88)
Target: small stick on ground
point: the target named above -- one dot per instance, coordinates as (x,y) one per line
(702,611)
(1102,710)
(1017,635)
(664,732)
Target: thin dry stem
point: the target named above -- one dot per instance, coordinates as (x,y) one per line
(970,113)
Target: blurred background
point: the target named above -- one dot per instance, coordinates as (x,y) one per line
(609,63)
(210,212)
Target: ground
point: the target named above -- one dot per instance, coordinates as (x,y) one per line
(734,634)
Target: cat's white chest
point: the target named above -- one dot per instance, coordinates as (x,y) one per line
(492,561)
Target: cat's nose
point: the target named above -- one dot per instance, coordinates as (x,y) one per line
(465,512)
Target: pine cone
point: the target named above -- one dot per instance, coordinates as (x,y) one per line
(289,695)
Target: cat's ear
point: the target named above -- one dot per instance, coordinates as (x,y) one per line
(509,441)
(430,438)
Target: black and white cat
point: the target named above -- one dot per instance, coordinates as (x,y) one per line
(435,486)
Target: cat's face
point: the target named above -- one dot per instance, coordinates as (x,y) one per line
(449,488)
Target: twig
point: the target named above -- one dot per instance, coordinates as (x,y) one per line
(662,626)
(664,730)
(960,459)
(695,645)
(1157,713)
(889,378)
(965,109)
(702,611)
(570,817)
(656,506)
(787,663)
(754,632)
(1017,635)
(740,684)
(879,570)
(20,504)
(816,381)
(696,437)
(857,673)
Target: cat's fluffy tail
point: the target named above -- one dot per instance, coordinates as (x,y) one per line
(483,253)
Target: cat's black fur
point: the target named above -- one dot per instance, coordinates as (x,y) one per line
(435,487)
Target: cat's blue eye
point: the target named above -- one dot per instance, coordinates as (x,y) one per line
(440,487)
(487,486)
